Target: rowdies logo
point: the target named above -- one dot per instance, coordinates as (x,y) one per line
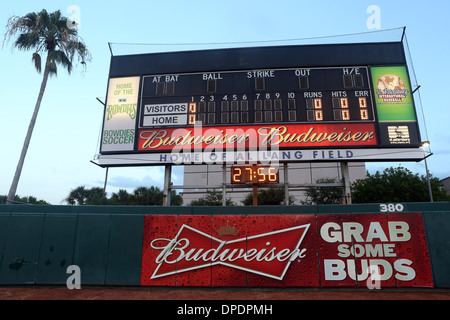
(125,109)
(268,254)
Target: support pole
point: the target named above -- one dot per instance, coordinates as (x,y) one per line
(346,178)
(255,194)
(403,34)
(167,182)
(428,174)
(106,181)
(224,185)
(286,184)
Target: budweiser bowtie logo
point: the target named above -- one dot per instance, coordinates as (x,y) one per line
(268,254)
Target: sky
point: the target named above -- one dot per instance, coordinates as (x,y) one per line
(66,135)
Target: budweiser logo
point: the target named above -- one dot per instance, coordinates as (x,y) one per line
(268,254)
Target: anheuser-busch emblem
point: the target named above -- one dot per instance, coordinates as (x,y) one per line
(267,254)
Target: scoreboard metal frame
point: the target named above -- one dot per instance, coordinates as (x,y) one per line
(349,102)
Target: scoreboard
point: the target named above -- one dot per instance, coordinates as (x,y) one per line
(300,103)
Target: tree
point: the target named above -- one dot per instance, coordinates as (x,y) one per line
(141,196)
(122,197)
(396,185)
(272,196)
(77,196)
(175,199)
(323,195)
(144,196)
(50,34)
(211,198)
(24,200)
(96,196)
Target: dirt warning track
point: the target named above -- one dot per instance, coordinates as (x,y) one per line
(131,293)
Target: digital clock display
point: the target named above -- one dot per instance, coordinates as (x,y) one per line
(254,174)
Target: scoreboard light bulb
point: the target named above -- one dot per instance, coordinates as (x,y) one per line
(344,103)
(192,107)
(318,103)
(364,114)
(362,103)
(345,115)
(319,115)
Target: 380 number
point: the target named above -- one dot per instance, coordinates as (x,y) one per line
(391,207)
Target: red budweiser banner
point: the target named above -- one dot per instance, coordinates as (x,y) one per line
(281,136)
(286,251)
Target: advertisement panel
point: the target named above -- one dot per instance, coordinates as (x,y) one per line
(257,137)
(393,94)
(119,121)
(390,247)
(373,250)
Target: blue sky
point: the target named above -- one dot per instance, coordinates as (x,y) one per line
(65,138)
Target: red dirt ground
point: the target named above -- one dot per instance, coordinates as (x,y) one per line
(134,293)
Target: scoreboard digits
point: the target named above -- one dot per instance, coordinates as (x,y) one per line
(254,174)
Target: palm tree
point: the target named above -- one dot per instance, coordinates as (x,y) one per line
(77,196)
(144,196)
(50,34)
(122,197)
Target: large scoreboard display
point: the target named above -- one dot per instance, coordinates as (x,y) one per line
(348,102)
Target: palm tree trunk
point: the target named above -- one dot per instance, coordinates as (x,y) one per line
(26,143)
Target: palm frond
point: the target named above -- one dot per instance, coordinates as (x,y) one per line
(26,41)
(37,61)
(42,20)
(52,69)
(59,57)
(31,17)
(79,48)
